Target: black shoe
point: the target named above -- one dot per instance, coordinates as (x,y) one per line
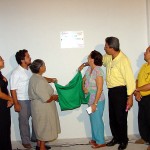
(112,142)
(37,148)
(122,146)
(47,147)
(33,140)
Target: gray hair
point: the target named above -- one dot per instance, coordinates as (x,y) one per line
(35,65)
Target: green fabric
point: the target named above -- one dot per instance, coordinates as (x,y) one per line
(71,96)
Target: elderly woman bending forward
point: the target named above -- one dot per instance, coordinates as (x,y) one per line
(43,107)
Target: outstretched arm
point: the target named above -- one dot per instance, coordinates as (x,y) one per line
(51,80)
(17,105)
(82,66)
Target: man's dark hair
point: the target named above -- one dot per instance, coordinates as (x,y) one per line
(113,42)
(20,55)
(35,65)
(97,56)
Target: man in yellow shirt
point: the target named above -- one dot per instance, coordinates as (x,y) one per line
(142,95)
(121,85)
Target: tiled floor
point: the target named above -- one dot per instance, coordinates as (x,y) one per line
(79,144)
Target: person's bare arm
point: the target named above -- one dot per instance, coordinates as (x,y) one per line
(83,85)
(145,87)
(51,80)
(5,96)
(82,66)
(99,84)
(129,102)
(17,105)
(52,98)
(136,93)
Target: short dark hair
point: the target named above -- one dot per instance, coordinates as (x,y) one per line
(20,55)
(35,65)
(113,42)
(97,56)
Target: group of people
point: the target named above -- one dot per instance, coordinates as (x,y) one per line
(121,88)
(32,95)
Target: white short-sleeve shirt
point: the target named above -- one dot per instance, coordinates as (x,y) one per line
(19,81)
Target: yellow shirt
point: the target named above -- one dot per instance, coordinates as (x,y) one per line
(144,78)
(119,72)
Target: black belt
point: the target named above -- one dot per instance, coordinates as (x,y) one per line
(121,86)
(146,96)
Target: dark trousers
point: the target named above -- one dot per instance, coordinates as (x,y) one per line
(5,129)
(117,114)
(144,118)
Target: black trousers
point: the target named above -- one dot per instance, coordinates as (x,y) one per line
(117,114)
(144,118)
(5,128)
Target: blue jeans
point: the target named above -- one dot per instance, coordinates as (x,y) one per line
(24,116)
(97,125)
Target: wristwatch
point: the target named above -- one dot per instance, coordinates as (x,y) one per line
(95,104)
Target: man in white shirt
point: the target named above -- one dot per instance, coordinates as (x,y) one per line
(19,90)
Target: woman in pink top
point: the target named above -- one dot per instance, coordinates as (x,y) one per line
(93,84)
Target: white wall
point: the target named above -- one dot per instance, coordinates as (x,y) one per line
(148,20)
(36,25)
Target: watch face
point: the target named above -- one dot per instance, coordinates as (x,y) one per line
(95,104)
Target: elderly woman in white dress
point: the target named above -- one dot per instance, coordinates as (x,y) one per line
(43,107)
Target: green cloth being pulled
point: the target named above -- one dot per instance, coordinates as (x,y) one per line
(71,96)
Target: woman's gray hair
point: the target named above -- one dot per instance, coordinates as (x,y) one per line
(35,65)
